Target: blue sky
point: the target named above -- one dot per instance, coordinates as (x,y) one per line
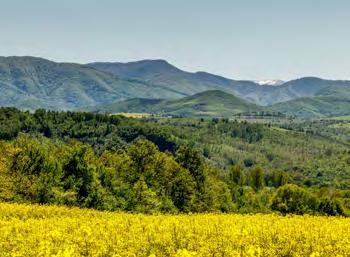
(243,39)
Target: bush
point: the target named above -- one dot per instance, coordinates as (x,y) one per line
(294,199)
(330,207)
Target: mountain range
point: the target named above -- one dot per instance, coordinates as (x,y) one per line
(155,85)
(160,72)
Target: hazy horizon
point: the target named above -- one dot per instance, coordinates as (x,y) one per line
(243,40)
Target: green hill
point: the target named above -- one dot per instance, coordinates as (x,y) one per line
(133,105)
(210,103)
(32,83)
(217,103)
(322,106)
(213,103)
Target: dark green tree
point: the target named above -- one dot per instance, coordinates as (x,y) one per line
(192,160)
(279,178)
(79,172)
(236,176)
(257,178)
(145,200)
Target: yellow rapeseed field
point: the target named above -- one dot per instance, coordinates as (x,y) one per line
(30,230)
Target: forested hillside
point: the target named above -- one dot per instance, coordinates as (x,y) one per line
(169,165)
(34,83)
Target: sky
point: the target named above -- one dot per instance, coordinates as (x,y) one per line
(239,39)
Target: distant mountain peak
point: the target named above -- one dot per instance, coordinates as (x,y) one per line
(156,63)
(136,69)
(309,78)
(161,61)
(140,62)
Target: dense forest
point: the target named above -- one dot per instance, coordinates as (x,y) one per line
(151,165)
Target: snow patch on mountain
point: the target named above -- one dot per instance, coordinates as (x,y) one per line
(269,82)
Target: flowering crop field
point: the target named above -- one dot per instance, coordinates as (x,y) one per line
(31,230)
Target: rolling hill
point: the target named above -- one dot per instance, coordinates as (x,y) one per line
(321,106)
(217,103)
(213,103)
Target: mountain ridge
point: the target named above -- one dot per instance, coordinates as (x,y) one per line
(34,82)
(31,83)
(192,83)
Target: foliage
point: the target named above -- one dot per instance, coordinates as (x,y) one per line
(159,165)
(293,199)
(139,178)
(257,178)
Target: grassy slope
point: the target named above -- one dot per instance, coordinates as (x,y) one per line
(210,103)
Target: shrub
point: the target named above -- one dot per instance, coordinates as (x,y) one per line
(294,199)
